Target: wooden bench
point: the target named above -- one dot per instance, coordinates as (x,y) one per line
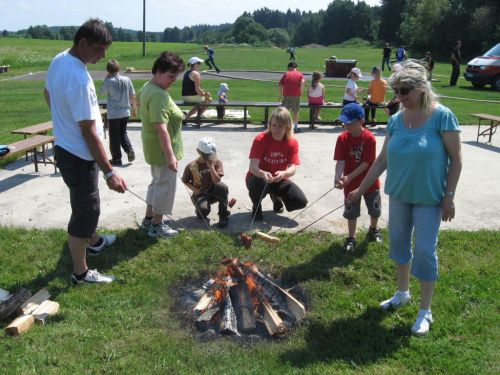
(30,145)
(41,129)
(492,127)
(266,105)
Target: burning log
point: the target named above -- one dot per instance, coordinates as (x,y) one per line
(272,321)
(244,307)
(228,322)
(205,302)
(278,295)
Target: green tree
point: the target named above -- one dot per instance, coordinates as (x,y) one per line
(391,12)
(308,30)
(279,37)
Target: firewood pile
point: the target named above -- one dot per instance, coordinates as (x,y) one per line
(240,296)
(28,309)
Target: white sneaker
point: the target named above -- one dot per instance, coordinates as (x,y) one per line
(146,223)
(423,323)
(162,230)
(396,301)
(93,277)
(4,295)
(108,239)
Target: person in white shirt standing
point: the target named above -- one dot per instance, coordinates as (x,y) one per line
(121,99)
(79,152)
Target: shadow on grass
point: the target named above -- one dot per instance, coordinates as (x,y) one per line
(319,267)
(128,245)
(357,341)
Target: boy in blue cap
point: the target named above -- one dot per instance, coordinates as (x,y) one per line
(355,152)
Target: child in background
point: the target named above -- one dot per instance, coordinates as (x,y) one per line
(203,176)
(376,93)
(355,153)
(429,65)
(316,94)
(352,89)
(222,98)
(121,99)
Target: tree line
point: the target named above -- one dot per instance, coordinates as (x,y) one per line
(419,25)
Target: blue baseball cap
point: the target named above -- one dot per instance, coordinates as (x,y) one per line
(351,112)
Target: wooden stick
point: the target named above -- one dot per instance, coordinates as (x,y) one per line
(20,325)
(31,304)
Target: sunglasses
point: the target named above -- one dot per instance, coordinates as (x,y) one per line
(402,90)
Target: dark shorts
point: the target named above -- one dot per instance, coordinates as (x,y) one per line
(81,177)
(373,204)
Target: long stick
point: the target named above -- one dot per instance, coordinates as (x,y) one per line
(301,212)
(258,205)
(299,231)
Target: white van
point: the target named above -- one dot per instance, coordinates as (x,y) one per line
(484,70)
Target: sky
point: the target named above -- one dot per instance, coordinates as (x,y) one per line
(20,14)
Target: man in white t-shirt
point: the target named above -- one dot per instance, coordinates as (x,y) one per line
(79,152)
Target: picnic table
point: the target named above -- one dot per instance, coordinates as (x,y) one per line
(30,145)
(491,128)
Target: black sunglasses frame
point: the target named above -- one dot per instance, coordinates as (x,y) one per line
(402,90)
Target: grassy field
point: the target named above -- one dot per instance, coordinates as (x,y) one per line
(131,327)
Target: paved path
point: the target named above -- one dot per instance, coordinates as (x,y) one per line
(40,200)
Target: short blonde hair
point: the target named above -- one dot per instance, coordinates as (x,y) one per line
(414,75)
(282,116)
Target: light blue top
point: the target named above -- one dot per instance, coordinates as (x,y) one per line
(417,161)
(119,90)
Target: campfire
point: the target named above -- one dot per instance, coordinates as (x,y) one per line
(240,296)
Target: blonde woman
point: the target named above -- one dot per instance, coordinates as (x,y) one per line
(191,87)
(274,157)
(422,156)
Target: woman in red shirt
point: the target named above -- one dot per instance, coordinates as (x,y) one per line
(273,160)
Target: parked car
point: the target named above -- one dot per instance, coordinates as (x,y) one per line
(485,70)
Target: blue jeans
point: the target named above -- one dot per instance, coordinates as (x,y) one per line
(406,219)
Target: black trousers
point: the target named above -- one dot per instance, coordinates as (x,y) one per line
(118,137)
(455,73)
(218,193)
(293,197)
(372,110)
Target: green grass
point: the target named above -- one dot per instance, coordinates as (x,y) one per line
(131,327)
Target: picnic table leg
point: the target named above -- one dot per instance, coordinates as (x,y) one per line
(478,130)
(311,117)
(35,159)
(266,116)
(244,116)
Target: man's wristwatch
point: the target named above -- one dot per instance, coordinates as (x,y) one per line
(109,174)
(450,194)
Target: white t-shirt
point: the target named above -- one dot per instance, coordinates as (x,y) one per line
(350,84)
(316,92)
(119,90)
(72,99)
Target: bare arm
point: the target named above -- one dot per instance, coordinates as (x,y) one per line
(133,102)
(216,178)
(287,173)
(451,142)
(195,76)
(97,151)
(339,171)
(46,96)
(257,172)
(166,145)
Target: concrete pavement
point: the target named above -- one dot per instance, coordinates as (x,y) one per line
(41,200)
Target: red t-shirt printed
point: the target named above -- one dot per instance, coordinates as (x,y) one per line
(354,151)
(291,83)
(274,155)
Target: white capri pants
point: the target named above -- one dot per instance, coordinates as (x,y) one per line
(161,190)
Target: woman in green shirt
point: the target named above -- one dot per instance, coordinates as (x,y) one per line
(161,142)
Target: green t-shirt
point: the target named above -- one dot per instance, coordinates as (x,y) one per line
(157,106)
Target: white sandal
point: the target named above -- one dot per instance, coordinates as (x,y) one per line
(423,323)
(395,302)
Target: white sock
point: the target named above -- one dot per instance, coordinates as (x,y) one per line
(403,294)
